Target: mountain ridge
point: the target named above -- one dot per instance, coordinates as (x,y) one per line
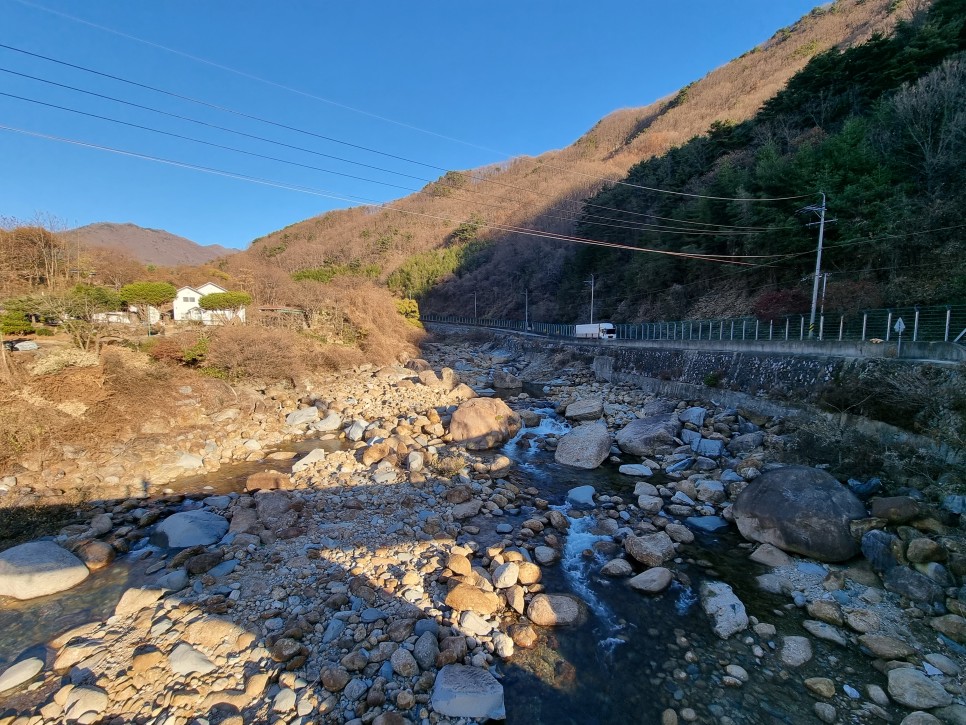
(146,245)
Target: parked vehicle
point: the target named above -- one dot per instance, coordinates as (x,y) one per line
(597,331)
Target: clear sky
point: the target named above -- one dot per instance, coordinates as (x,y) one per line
(504,77)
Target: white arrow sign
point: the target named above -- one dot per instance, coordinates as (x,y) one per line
(899,326)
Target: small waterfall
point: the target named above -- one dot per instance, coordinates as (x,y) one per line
(578,569)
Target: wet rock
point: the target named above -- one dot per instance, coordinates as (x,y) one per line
(271,480)
(581,496)
(38,568)
(585,446)
(802,510)
(483,423)
(523,635)
(726,611)
(821,686)
(650,549)
(920,718)
(555,610)
(825,712)
(825,631)
(96,554)
(644,436)
(795,651)
(635,469)
(190,528)
(910,687)
(617,568)
(652,581)
(461,691)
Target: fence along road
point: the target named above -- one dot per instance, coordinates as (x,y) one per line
(930,333)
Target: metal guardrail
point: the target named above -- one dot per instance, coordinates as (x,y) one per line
(940,323)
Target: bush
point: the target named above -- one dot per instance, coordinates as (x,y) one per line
(68,357)
(256,353)
(44,332)
(15,323)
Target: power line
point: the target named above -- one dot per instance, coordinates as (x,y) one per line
(722,259)
(639,226)
(331,139)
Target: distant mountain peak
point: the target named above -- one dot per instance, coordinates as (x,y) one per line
(150,246)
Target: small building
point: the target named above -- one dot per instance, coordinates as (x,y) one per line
(126,317)
(186,306)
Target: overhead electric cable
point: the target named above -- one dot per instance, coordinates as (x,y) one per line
(721,259)
(347,143)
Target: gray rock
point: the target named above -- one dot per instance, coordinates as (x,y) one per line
(284,701)
(185,659)
(910,687)
(189,461)
(173,581)
(635,469)
(19,673)
(795,651)
(190,528)
(650,504)
(617,568)
(586,446)
(878,547)
(506,381)
(726,611)
(506,574)
(467,509)
(652,581)
(825,712)
(918,587)
(461,691)
(745,443)
(771,556)
(26,345)
(642,437)
(694,415)
(591,409)
(712,448)
(403,663)
(711,491)
(331,422)
(650,549)
(581,496)
(310,458)
(38,568)
(544,555)
(920,718)
(355,689)
(217,502)
(802,510)
(426,649)
(302,416)
(707,524)
(85,703)
(356,430)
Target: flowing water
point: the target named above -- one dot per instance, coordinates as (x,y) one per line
(635,656)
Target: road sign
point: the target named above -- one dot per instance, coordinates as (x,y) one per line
(899,326)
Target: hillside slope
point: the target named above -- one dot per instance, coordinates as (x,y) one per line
(150,246)
(450,223)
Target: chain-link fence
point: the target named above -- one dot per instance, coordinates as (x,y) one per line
(942,323)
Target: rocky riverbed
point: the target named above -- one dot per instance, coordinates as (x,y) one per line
(409,575)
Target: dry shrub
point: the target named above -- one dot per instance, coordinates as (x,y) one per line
(257,353)
(720,303)
(175,348)
(66,357)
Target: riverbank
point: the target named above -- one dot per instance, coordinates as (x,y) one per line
(375,582)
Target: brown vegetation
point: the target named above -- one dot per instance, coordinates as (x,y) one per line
(544,192)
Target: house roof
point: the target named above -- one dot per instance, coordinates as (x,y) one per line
(196,290)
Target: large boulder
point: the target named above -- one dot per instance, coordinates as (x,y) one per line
(38,568)
(556,610)
(586,446)
(727,612)
(190,528)
(483,423)
(644,436)
(800,509)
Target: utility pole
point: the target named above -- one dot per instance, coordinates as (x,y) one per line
(591,283)
(820,210)
(526,309)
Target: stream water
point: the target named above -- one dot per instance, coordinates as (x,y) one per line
(634,657)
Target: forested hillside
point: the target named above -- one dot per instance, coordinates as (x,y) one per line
(879,128)
(455,242)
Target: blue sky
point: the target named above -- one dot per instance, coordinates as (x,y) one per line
(507,77)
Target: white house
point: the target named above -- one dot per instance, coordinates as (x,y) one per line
(126,317)
(186,308)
